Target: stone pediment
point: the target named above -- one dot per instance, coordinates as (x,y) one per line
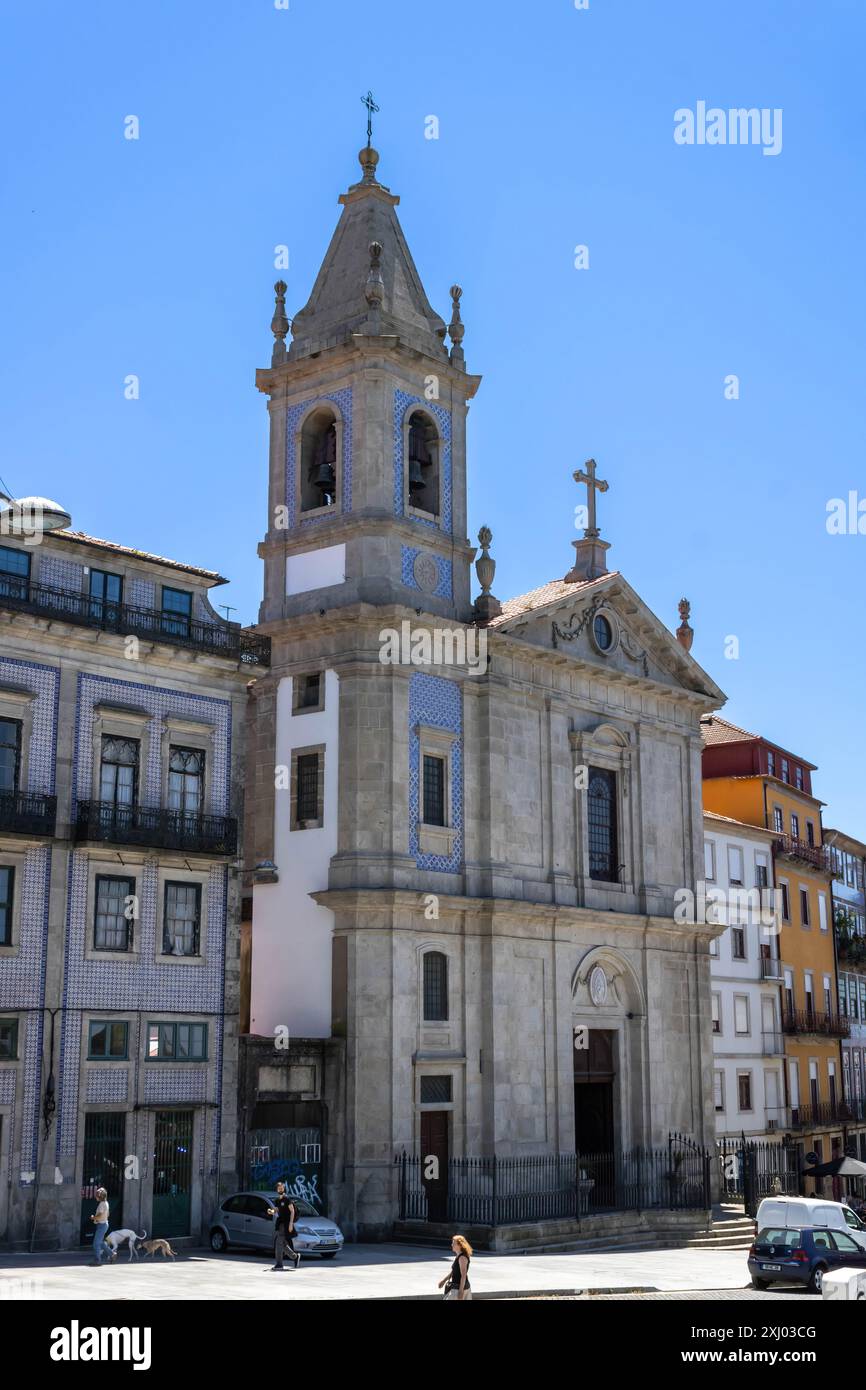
(631,640)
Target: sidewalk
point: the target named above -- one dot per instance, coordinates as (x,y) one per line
(365,1271)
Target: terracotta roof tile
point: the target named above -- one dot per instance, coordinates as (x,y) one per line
(716,730)
(549,593)
(81,538)
(746,825)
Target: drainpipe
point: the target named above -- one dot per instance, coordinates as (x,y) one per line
(49,1105)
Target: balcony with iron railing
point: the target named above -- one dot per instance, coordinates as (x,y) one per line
(215,638)
(156,828)
(814,855)
(814,1023)
(813,1115)
(772,1044)
(771,968)
(27,813)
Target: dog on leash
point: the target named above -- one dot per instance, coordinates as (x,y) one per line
(114,1241)
(156,1247)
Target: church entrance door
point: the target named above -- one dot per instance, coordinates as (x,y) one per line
(434,1162)
(594,1075)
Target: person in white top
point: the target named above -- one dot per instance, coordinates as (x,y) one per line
(100,1221)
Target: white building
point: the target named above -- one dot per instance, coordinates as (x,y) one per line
(748,1085)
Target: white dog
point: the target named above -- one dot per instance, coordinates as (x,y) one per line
(114,1241)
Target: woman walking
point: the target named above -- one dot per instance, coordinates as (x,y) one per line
(456,1283)
(100,1221)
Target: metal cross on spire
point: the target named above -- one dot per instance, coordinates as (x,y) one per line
(593,484)
(371,107)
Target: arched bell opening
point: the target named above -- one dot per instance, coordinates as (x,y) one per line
(319,460)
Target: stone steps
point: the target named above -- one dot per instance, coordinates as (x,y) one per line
(724,1235)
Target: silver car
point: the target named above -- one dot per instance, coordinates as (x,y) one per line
(242,1219)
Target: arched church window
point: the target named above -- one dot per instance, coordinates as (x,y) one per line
(435,987)
(423,464)
(319,461)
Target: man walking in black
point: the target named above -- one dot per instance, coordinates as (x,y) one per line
(284,1211)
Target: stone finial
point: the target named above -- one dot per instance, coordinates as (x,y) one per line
(279,324)
(368,158)
(486,606)
(456,328)
(374,290)
(685,634)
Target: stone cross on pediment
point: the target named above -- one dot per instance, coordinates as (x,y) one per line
(593,485)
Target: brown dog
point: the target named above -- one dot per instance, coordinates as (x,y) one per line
(152,1247)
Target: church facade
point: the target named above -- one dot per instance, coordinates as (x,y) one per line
(471,819)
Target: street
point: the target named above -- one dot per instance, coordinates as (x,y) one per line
(380,1272)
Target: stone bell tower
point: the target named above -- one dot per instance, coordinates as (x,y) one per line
(367,405)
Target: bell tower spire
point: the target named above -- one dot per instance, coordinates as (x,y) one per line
(368,410)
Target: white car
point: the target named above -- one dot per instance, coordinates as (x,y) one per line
(810,1211)
(242,1219)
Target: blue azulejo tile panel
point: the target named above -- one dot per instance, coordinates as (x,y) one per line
(168,1085)
(140,593)
(161,703)
(295,413)
(409,555)
(61,574)
(42,753)
(438,702)
(22,986)
(402,403)
(107,1085)
(145,984)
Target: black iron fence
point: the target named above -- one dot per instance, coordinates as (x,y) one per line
(751,1169)
(218,638)
(154,826)
(509,1191)
(27,813)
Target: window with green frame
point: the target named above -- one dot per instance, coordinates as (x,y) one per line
(108,1040)
(177,1042)
(8,1039)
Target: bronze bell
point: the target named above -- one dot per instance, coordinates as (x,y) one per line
(416,477)
(324,478)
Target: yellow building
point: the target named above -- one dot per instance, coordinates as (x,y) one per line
(755,781)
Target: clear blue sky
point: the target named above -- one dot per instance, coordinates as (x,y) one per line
(155,257)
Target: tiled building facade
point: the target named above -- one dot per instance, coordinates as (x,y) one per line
(121,695)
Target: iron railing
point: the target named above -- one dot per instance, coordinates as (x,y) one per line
(811,1021)
(810,1115)
(751,1169)
(27,813)
(217,638)
(790,848)
(508,1191)
(152,825)
(771,968)
(772,1044)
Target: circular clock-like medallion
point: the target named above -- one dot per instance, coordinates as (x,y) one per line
(598,985)
(426,572)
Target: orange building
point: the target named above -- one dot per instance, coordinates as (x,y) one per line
(753,780)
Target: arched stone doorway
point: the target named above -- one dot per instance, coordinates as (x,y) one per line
(608,1016)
